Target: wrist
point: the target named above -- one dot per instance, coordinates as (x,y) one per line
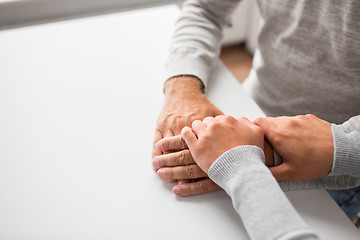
(183,85)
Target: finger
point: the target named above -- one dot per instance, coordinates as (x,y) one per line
(226,118)
(221,117)
(156,151)
(209,120)
(195,188)
(180,158)
(189,137)
(269,127)
(168,144)
(264,120)
(192,171)
(199,127)
(281,172)
(246,121)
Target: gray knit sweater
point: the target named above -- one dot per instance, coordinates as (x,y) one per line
(308,61)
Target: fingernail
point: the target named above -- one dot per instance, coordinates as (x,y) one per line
(177,190)
(161,173)
(155,163)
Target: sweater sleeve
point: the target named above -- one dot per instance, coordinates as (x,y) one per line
(346,148)
(241,172)
(195,44)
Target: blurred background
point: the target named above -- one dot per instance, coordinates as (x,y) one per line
(17,13)
(239,41)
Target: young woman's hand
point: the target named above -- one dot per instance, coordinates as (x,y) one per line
(210,138)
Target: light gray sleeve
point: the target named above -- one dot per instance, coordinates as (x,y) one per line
(346,148)
(346,164)
(195,44)
(256,195)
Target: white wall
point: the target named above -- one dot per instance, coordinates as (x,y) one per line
(246,19)
(28,12)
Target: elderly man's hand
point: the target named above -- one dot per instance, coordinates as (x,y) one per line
(305,144)
(177,163)
(184,103)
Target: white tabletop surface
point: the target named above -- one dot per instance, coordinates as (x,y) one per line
(78,105)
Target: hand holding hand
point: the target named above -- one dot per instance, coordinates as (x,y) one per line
(305,144)
(210,138)
(177,163)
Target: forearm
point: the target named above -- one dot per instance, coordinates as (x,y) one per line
(195,43)
(242,174)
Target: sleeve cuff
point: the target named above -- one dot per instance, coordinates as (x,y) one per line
(346,152)
(239,160)
(188,66)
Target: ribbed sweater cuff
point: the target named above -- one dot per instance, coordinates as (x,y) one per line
(237,160)
(346,152)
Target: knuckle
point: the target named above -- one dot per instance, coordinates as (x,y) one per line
(228,118)
(188,189)
(203,187)
(190,170)
(193,116)
(215,125)
(165,144)
(162,162)
(179,124)
(169,173)
(293,121)
(310,115)
(300,117)
(182,158)
(260,120)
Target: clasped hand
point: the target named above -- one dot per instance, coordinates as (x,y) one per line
(304,142)
(199,147)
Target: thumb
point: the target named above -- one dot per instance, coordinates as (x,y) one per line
(189,136)
(281,172)
(269,128)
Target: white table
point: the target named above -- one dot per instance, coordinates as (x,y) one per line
(78,105)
